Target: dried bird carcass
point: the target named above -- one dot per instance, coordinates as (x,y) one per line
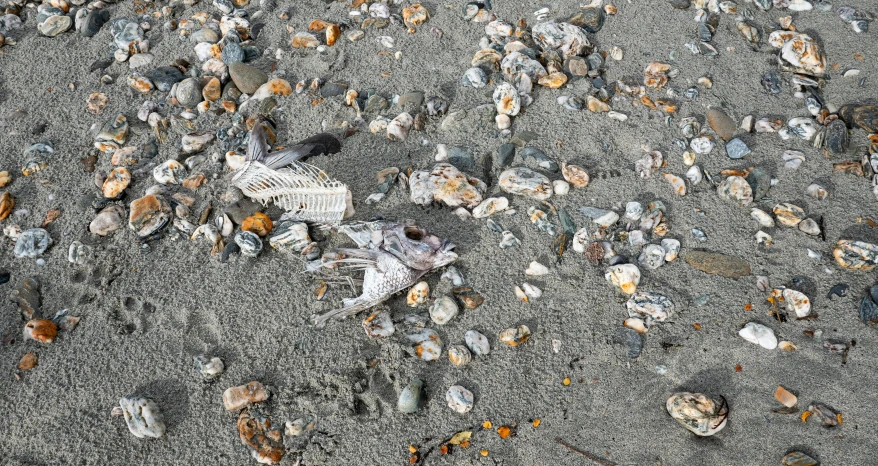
(393,256)
(280,177)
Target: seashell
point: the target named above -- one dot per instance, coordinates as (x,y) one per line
(235,398)
(788,214)
(256,432)
(41,330)
(418,294)
(526,182)
(759,334)
(459,355)
(654,307)
(672,249)
(515,336)
(507,100)
(412,397)
(249,243)
(459,399)
(209,366)
(398,128)
(698,413)
(196,142)
(569,40)
(580,240)
(677,183)
(443,310)
(574,175)
(170,172)
(809,226)
(115,183)
(827,415)
(79,254)
(428,345)
(490,206)
(415,15)
(378,324)
(487,58)
(446,184)
(652,257)
(736,188)
(800,51)
(143,417)
(477,343)
(625,277)
(797,458)
(258,223)
(7,203)
(636,324)
(531,291)
(797,301)
(762,217)
(535,269)
(32,243)
(148,215)
(509,240)
(702,145)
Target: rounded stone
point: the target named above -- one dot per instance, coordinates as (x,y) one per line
(189,92)
(247,78)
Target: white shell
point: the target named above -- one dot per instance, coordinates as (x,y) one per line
(143,417)
(672,249)
(762,218)
(378,324)
(418,294)
(535,269)
(477,343)
(580,240)
(759,334)
(443,310)
(398,128)
(626,277)
(428,345)
(459,399)
(797,302)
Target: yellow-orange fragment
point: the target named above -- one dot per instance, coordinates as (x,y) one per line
(412,449)
(838,417)
(748,307)
(504,431)
(487,425)
(536,423)
(484,452)
(443,449)
(464,444)
(805,416)
(566,381)
(697,326)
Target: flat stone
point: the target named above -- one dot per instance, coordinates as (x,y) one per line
(94,21)
(716,263)
(164,77)
(205,35)
(189,92)
(721,124)
(247,78)
(736,149)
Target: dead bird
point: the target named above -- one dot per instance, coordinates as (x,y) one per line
(393,256)
(282,178)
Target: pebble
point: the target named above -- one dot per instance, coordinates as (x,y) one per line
(672,249)
(784,397)
(412,397)
(27,296)
(490,206)
(855,255)
(143,417)
(737,149)
(274,88)
(94,21)
(289,235)
(459,399)
(110,219)
(507,99)
(797,302)
(653,306)
(418,294)
(55,25)
(526,182)
(170,172)
(735,188)
(7,203)
(32,243)
(459,355)
(446,184)
(191,143)
(809,226)
(443,310)
(788,214)
(235,398)
(115,183)
(715,263)
(164,77)
(188,92)
(515,336)
(721,124)
(428,345)
(698,413)
(759,334)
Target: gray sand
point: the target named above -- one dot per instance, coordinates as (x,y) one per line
(144,315)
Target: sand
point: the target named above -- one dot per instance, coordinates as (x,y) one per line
(146,313)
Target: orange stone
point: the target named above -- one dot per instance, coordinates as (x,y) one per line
(258,223)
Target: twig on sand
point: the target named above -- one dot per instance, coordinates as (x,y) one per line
(587,455)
